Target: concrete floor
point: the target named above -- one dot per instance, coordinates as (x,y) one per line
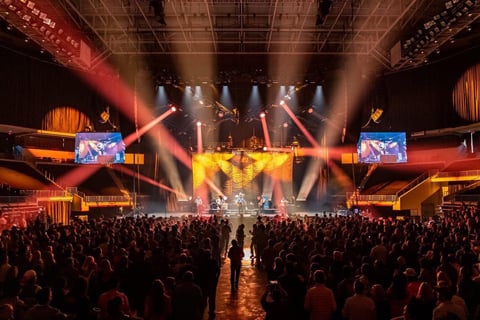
(243,304)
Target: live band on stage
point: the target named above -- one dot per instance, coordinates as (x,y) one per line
(221,205)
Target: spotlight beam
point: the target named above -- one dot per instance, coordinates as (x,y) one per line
(122,96)
(265,130)
(133,136)
(199,138)
(331,123)
(75,177)
(132,173)
(302,128)
(214,187)
(104,79)
(80,174)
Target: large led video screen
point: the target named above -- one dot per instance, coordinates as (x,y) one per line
(99,148)
(248,172)
(382,147)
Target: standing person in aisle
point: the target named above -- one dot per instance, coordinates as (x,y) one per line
(225,230)
(240,235)
(235,254)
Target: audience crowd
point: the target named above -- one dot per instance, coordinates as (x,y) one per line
(321,267)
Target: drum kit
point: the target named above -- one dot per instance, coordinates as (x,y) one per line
(219,205)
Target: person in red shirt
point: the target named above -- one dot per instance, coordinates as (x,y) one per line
(113,292)
(412,282)
(319,300)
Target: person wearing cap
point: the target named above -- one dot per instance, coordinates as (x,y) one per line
(446,308)
(412,282)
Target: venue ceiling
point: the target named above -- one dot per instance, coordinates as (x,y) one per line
(398,34)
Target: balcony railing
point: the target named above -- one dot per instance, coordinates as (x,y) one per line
(466,173)
(107,199)
(352,196)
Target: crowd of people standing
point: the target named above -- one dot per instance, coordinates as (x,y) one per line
(320,267)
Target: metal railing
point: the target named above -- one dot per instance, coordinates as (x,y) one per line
(107,199)
(413,183)
(47,193)
(475,198)
(446,174)
(15,199)
(371,197)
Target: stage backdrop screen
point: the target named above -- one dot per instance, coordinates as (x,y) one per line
(382,147)
(99,148)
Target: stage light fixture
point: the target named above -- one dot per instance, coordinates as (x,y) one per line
(376,115)
(105,115)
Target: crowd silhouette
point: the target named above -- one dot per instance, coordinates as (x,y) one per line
(318,267)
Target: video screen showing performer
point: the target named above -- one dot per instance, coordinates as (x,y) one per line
(377,147)
(99,147)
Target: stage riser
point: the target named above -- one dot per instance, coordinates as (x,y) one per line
(246,212)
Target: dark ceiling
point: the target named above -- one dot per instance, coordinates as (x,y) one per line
(395,34)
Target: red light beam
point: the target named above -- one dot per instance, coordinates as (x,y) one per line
(149,180)
(265,130)
(302,128)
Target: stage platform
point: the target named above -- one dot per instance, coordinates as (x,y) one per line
(233,214)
